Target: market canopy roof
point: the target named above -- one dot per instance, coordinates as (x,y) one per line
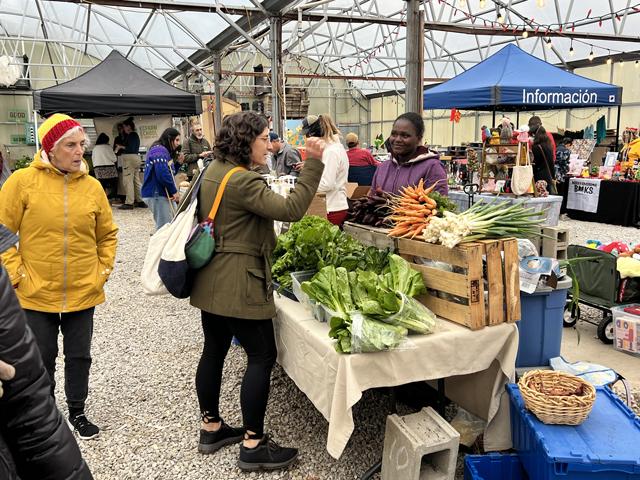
(513,80)
(116,86)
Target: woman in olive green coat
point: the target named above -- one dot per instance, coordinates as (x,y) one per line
(234,291)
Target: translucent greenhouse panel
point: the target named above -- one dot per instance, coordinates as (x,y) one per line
(627,75)
(630,117)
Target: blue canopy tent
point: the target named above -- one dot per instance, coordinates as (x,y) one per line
(512,80)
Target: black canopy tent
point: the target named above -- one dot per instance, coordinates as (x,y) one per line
(116,87)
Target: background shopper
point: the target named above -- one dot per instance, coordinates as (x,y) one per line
(65,255)
(159,189)
(336,165)
(129,154)
(104,165)
(195,148)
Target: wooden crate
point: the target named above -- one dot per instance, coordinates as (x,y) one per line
(502,274)
(376,237)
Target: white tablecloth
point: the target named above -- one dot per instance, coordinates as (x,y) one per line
(476,365)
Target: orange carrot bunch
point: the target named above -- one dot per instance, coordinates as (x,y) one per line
(412,210)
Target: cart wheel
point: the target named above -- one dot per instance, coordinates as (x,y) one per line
(605,329)
(571,315)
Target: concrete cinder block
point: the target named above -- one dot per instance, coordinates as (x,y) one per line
(555,242)
(420,446)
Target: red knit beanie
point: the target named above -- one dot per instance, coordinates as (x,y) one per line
(53,128)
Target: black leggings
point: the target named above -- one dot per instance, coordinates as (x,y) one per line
(256,337)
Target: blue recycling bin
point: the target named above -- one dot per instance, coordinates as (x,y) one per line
(540,327)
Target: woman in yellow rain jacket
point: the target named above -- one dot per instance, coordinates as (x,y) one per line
(65,255)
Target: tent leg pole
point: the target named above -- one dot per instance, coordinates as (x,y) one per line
(217,74)
(35,125)
(518,119)
(618,128)
(493,121)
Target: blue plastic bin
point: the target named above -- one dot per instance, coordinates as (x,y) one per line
(606,446)
(541,324)
(493,466)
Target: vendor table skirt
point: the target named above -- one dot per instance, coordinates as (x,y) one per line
(476,365)
(618,204)
(550,205)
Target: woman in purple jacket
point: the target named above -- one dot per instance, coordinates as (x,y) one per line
(409,160)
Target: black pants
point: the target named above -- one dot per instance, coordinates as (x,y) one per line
(77,330)
(257,339)
(7,465)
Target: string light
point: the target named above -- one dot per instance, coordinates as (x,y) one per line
(571,52)
(500,18)
(621,62)
(525,34)
(549,44)
(637,64)
(540,3)
(609,58)
(591,55)
(462,3)
(483,3)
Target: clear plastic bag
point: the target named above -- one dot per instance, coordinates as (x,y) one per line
(413,316)
(526,248)
(468,426)
(369,335)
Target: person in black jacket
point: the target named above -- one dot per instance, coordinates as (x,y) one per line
(35,441)
(543,159)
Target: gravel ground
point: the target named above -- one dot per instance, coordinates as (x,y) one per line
(142,390)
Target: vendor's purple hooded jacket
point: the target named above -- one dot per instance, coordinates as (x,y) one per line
(391,176)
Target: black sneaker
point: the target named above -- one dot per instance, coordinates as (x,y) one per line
(211,442)
(126,206)
(268,455)
(83,427)
(140,205)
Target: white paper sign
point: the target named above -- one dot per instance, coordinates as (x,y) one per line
(583,194)
(149,127)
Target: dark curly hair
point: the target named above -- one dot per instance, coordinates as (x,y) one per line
(236,136)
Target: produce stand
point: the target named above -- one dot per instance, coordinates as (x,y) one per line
(476,364)
(618,202)
(550,205)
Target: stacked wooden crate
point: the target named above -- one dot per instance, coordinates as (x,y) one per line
(297,102)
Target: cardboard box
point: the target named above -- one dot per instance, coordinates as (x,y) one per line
(358,192)
(318,206)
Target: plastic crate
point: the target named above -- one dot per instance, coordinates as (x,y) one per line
(626,327)
(285,292)
(319,312)
(541,324)
(296,280)
(494,466)
(604,447)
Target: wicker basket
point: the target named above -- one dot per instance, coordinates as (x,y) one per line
(553,396)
